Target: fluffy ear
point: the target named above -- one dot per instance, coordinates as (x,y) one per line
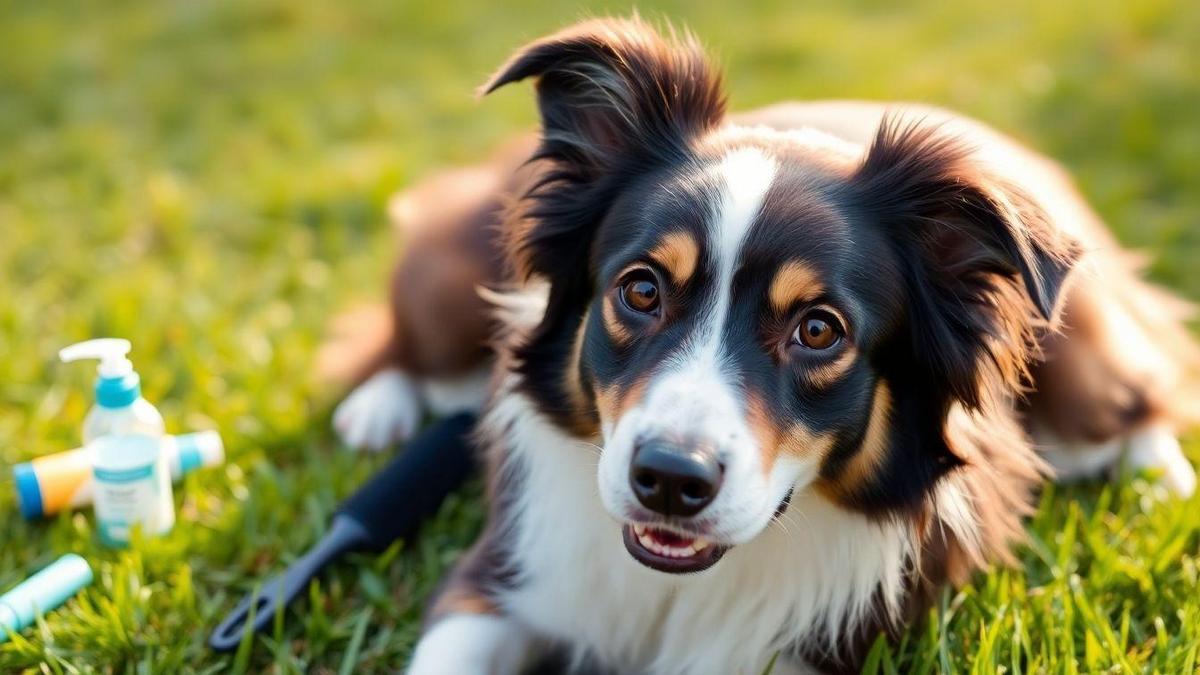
(984,268)
(615,99)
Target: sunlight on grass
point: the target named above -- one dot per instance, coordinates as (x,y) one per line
(209,179)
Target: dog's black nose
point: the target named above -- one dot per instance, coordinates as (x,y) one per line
(675,481)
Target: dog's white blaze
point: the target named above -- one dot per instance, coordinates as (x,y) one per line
(695,395)
(802,577)
(745,175)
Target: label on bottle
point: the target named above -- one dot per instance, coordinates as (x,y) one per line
(132,487)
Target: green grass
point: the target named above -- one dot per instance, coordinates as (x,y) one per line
(209,180)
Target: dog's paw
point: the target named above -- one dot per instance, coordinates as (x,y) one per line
(380,412)
(472,644)
(1156,447)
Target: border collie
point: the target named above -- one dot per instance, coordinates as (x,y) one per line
(754,385)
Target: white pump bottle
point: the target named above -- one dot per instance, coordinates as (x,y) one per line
(120,408)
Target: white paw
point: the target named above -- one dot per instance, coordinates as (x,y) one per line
(471,644)
(379,412)
(1155,447)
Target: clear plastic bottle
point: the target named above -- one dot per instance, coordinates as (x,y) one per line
(120,408)
(123,435)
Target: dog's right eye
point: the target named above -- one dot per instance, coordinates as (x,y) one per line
(639,292)
(819,330)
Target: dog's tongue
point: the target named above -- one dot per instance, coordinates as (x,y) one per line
(668,538)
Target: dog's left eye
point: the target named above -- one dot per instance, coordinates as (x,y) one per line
(640,293)
(819,329)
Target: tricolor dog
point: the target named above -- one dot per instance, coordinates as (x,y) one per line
(754,385)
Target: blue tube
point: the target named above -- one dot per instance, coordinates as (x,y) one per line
(29,492)
(42,593)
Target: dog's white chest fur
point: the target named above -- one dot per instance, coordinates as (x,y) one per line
(803,577)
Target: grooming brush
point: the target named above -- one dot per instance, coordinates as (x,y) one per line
(391,505)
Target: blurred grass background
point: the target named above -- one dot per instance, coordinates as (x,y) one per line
(209,178)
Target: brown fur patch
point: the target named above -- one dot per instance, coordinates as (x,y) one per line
(800,441)
(612,402)
(463,600)
(616,330)
(678,254)
(871,452)
(584,419)
(796,440)
(827,374)
(794,282)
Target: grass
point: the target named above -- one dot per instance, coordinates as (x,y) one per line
(208,179)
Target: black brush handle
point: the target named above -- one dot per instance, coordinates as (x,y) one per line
(411,488)
(390,506)
(257,610)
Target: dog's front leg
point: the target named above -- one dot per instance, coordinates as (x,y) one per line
(472,644)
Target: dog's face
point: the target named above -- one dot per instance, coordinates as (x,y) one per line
(734,306)
(742,313)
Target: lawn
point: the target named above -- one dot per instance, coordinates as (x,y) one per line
(209,180)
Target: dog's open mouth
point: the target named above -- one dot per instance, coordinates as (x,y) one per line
(668,551)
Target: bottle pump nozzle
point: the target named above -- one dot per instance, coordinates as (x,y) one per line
(110,351)
(117,385)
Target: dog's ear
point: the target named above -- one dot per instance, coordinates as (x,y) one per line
(616,98)
(984,268)
(982,272)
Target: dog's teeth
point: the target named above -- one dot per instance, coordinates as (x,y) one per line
(645,537)
(646,541)
(680,552)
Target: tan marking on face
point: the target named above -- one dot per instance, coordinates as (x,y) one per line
(613,403)
(678,254)
(584,420)
(796,440)
(794,282)
(825,375)
(871,453)
(617,330)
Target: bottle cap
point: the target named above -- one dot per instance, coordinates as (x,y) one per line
(117,385)
(29,492)
(199,450)
(43,592)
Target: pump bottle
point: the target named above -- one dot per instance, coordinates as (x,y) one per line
(123,436)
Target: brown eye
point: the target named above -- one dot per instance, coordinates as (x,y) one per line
(818,329)
(640,293)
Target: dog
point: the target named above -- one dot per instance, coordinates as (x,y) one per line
(754,386)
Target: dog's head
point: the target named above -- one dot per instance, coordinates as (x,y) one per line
(740,313)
